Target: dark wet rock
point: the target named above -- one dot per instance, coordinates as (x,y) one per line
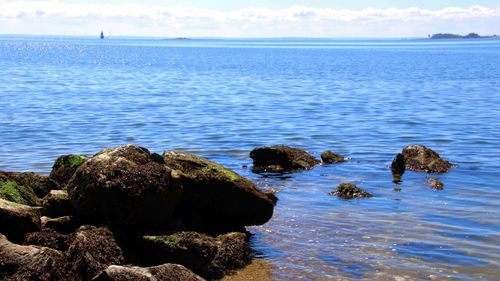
(39,185)
(125,186)
(281,158)
(350,191)
(65,224)
(93,250)
(271,194)
(207,256)
(64,167)
(16,220)
(19,262)
(57,204)
(398,164)
(329,157)
(164,272)
(435,183)
(423,159)
(50,239)
(217,197)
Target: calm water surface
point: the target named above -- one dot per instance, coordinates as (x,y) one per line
(221,98)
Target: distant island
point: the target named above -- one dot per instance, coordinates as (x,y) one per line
(457,36)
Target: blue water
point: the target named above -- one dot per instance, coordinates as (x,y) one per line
(221,98)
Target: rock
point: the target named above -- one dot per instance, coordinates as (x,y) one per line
(64,167)
(215,196)
(14,192)
(281,158)
(233,251)
(350,191)
(65,224)
(93,250)
(16,220)
(398,164)
(423,159)
(31,263)
(329,157)
(50,239)
(57,204)
(125,186)
(164,272)
(435,183)
(40,185)
(207,256)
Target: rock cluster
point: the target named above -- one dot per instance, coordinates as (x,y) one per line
(124,214)
(350,191)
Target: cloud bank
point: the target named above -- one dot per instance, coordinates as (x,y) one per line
(58,17)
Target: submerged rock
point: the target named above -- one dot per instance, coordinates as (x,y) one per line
(164,272)
(16,220)
(57,204)
(281,158)
(435,183)
(398,167)
(125,186)
(329,157)
(207,256)
(31,263)
(65,166)
(93,250)
(40,185)
(423,159)
(350,191)
(217,197)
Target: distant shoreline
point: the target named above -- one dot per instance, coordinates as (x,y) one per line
(458,36)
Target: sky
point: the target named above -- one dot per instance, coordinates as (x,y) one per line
(245,18)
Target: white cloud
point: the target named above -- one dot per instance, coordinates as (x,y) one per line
(58,17)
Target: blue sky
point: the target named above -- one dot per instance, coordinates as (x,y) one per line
(244,18)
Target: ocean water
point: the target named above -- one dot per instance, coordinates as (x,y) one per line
(365,99)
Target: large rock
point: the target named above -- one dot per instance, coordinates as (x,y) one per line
(16,220)
(125,186)
(93,250)
(40,185)
(65,166)
(164,272)
(215,196)
(423,159)
(281,158)
(207,256)
(31,263)
(350,191)
(15,192)
(65,224)
(57,204)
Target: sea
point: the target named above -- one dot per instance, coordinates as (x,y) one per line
(220,98)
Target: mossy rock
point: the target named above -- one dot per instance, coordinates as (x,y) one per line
(65,166)
(125,186)
(207,256)
(215,196)
(37,184)
(14,192)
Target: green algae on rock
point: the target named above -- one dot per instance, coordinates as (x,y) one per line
(65,166)
(13,191)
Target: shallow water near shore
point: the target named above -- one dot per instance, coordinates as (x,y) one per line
(365,99)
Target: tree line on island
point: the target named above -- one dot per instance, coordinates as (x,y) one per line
(471,35)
